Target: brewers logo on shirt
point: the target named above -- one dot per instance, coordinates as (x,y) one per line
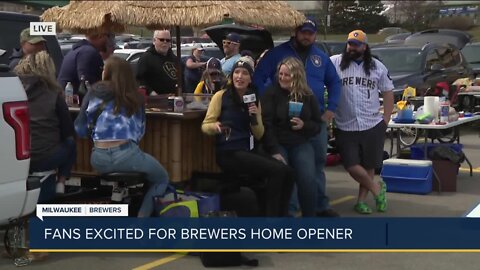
(316,60)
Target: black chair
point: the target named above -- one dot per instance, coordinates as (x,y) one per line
(128,187)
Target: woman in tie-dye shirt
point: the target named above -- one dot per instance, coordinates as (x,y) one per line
(113,114)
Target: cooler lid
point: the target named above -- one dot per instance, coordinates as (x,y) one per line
(407,162)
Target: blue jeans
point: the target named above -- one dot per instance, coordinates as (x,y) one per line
(302,159)
(319,143)
(62,160)
(129,157)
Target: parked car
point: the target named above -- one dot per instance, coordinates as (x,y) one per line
(397,38)
(324,47)
(11,24)
(454,37)
(131,56)
(18,193)
(137,44)
(391,31)
(188,40)
(67,45)
(335,47)
(422,66)
(255,40)
(208,52)
(472,55)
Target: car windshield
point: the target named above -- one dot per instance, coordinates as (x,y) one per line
(336,48)
(400,59)
(472,54)
(124,56)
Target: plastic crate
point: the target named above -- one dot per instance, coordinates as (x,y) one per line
(408,176)
(417,150)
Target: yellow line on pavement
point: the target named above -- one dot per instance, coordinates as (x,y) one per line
(342,200)
(160,262)
(476,170)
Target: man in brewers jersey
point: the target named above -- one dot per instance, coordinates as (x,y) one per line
(360,133)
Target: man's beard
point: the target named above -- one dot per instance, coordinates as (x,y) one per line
(302,47)
(353,55)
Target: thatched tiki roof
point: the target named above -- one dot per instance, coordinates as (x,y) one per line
(82,16)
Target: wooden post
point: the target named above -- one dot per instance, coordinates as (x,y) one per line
(175,141)
(179,63)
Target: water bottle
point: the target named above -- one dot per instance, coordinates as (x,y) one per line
(444,111)
(82,89)
(69,94)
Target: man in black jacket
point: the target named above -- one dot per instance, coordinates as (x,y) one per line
(156,68)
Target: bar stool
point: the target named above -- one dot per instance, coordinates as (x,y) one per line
(128,187)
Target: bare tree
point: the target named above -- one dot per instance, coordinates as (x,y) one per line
(420,14)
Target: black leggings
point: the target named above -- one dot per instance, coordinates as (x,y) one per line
(278,175)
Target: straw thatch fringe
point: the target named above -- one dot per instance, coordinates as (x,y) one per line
(87,16)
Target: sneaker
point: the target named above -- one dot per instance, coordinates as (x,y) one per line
(36,256)
(60,188)
(118,194)
(381,199)
(329,213)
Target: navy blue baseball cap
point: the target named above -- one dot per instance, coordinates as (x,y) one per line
(214,63)
(308,25)
(233,37)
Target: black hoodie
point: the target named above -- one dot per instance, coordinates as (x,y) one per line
(50,122)
(278,131)
(157,72)
(83,59)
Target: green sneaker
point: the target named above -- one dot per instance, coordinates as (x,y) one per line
(381,199)
(362,208)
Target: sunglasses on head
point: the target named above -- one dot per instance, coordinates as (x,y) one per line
(164,39)
(228,42)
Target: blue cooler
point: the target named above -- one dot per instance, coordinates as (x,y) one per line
(408,176)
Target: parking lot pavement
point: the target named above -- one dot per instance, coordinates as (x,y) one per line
(342,191)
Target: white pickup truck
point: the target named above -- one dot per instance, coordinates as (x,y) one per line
(18,192)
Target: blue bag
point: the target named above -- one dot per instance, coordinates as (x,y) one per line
(179,203)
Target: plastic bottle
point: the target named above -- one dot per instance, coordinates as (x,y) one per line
(69,94)
(82,89)
(444,111)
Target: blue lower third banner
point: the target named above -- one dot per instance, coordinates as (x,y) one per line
(74,233)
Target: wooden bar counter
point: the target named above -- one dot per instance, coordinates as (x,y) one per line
(174,139)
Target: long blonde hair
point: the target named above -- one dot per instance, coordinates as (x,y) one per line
(300,87)
(41,65)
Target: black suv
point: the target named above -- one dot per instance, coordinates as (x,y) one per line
(422,66)
(11,24)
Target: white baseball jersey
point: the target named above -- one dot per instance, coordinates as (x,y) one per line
(359,105)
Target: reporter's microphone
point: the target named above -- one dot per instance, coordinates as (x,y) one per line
(251,99)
